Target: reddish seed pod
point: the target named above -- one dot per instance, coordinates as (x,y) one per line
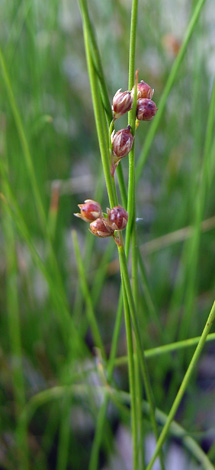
(146,109)
(90,210)
(117,218)
(122,103)
(101,229)
(122,142)
(143,90)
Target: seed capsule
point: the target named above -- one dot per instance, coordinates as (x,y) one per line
(122,142)
(117,218)
(122,103)
(146,109)
(143,90)
(101,229)
(90,210)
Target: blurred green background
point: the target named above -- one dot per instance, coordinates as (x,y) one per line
(43,50)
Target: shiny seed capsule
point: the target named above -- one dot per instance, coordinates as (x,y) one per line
(89,211)
(146,109)
(101,229)
(143,90)
(122,142)
(117,218)
(122,103)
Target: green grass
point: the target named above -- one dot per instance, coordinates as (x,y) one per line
(68,380)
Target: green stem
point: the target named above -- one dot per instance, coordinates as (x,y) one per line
(137,414)
(96,59)
(183,386)
(167,348)
(140,350)
(99,117)
(102,137)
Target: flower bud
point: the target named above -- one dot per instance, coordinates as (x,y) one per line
(146,109)
(122,103)
(122,142)
(143,90)
(117,218)
(90,210)
(100,228)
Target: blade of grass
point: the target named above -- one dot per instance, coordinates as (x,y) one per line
(167,348)
(183,386)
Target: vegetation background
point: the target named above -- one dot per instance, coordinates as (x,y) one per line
(50,162)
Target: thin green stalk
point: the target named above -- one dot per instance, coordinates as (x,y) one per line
(132,379)
(172,77)
(58,392)
(166,348)
(102,133)
(132,45)
(102,136)
(99,118)
(96,59)
(137,447)
(86,294)
(140,350)
(183,386)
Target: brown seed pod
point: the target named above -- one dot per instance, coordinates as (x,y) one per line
(89,211)
(117,218)
(146,109)
(122,142)
(143,90)
(122,103)
(101,229)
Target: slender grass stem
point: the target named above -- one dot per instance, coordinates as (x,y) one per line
(102,136)
(140,350)
(137,445)
(183,386)
(99,119)
(166,348)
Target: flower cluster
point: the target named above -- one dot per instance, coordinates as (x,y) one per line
(103,225)
(122,141)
